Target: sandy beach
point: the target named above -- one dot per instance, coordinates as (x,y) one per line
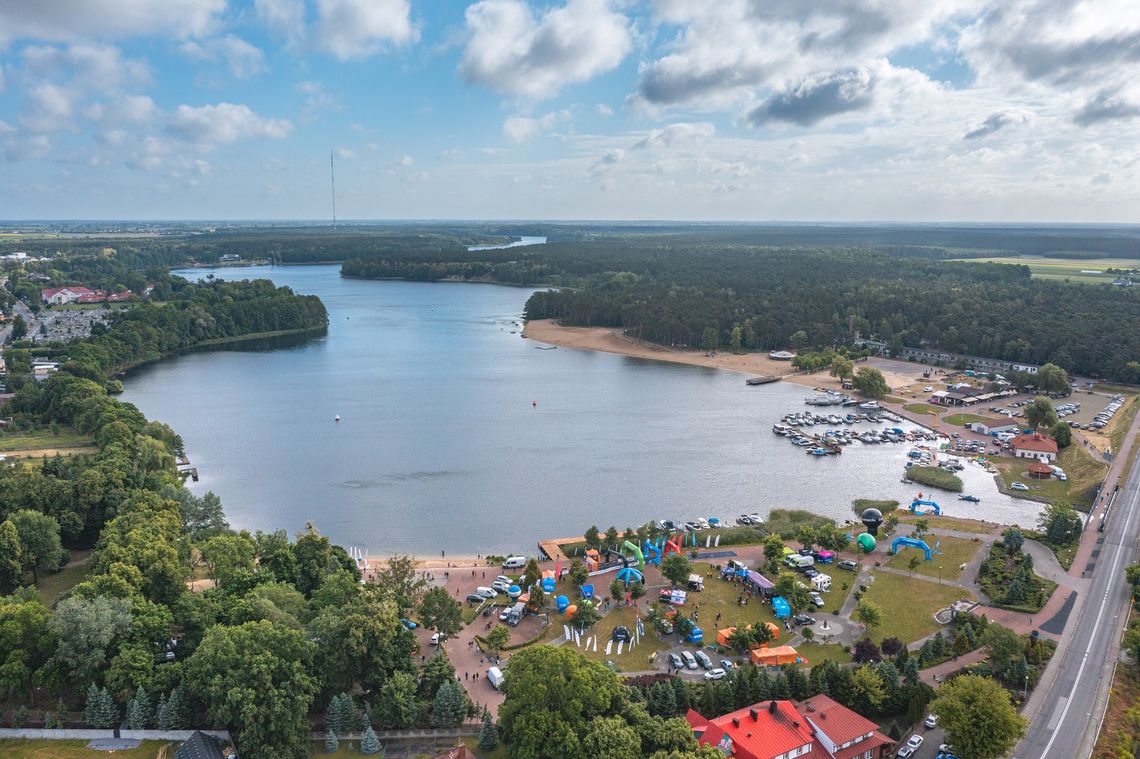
(898,374)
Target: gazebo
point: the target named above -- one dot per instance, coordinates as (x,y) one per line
(1040,471)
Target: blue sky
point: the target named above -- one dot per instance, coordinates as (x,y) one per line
(1021,110)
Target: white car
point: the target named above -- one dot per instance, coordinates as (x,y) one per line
(438,638)
(504,578)
(915,741)
(1018,486)
(931,721)
(928,389)
(715,674)
(502,587)
(817,599)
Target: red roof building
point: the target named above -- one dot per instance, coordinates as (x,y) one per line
(818,728)
(1034,446)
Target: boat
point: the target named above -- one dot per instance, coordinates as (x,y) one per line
(336,418)
(970,498)
(869,405)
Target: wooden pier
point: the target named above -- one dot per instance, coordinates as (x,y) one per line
(762,380)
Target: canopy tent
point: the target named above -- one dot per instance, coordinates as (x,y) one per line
(774,657)
(781,608)
(760,582)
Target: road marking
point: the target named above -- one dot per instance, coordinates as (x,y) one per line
(1096,626)
(1057,713)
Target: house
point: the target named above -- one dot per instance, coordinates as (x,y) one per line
(1039,470)
(60,295)
(201,746)
(818,728)
(1034,446)
(842,733)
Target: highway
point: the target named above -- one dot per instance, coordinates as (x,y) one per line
(1074,692)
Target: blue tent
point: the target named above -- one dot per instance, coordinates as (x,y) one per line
(587,592)
(548,584)
(696,635)
(781,608)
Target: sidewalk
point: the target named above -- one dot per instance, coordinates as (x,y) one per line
(937,674)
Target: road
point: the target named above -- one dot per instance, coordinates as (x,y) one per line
(1066,721)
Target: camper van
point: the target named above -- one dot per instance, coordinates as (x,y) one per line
(515,562)
(796,561)
(495,677)
(821,583)
(516,613)
(696,582)
(737,566)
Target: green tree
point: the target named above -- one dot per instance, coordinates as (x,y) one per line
(1062,433)
(435,672)
(773,551)
(1051,378)
(871,383)
(586,616)
(792,590)
(397,705)
(710,339)
(798,339)
(676,568)
(869,613)
(39,541)
(332,745)
(978,717)
(255,680)
(552,695)
(361,642)
(736,338)
(1012,540)
(99,711)
(913,563)
(1004,646)
(921,527)
(440,612)
(369,743)
(578,573)
(617,590)
(593,538)
(402,582)
(612,537)
(139,711)
(488,734)
(611,737)
(450,705)
(12,570)
(499,636)
(228,556)
(1039,413)
(868,691)
(841,368)
(1060,523)
(86,631)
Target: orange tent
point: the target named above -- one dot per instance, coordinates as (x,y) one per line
(774,657)
(722,636)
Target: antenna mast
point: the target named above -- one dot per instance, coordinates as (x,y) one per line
(332,175)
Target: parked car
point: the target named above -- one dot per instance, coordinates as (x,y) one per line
(704,659)
(505,614)
(905,752)
(715,674)
(504,578)
(1018,486)
(931,721)
(915,741)
(438,638)
(727,664)
(408,623)
(500,586)
(817,599)
(803,619)
(475,598)
(487,593)
(848,564)
(690,660)
(676,662)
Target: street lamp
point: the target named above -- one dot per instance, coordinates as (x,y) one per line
(1025,691)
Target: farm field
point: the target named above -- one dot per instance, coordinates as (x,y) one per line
(1090,270)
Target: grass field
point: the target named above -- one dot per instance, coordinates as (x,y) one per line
(908,605)
(948,523)
(1072,269)
(630,660)
(52,586)
(27,749)
(818,653)
(1084,472)
(935,477)
(961,420)
(26,440)
(954,552)
(922,408)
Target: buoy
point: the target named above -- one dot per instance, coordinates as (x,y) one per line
(336,418)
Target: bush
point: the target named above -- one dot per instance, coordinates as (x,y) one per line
(934,477)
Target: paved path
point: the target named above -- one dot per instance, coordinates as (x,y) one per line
(937,674)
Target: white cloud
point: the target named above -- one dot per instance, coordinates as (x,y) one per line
(512,52)
(520,129)
(676,134)
(354,29)
(90,68)
(345,153)
(451,154)
(223,123)
(50,108)
(243,59)
(611,158)
(285,17)
(68,20)
(603,110)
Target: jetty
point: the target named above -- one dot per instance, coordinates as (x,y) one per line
(761,380)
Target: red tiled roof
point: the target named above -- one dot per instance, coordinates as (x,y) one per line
(695,720)
(841,725)
(1038,468)
(760,732)
(1034,442)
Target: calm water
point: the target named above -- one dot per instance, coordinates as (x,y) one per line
(440,447)
(516,244)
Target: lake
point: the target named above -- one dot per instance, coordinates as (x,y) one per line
(457,434)
(516,244)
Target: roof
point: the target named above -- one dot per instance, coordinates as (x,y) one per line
(839,723)
(1038,468)
(199,746)
(695,720)
(1035,442)
(764,730)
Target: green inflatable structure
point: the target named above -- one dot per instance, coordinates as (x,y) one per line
(633,549)
(867,542)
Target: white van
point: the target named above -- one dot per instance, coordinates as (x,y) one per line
(495,677)
(487,593)
(689,659)
(515,562)
(800,562)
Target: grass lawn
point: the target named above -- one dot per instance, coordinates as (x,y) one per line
(818,653)
(630,660)
(1119,729)
(1084,472)
(961,420)
(922,408)
(1092,270)
(1123,423)
(948,523)
(28,749)
(908,605)
(25,440)
(52,586)
(720,596)
(954,552)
